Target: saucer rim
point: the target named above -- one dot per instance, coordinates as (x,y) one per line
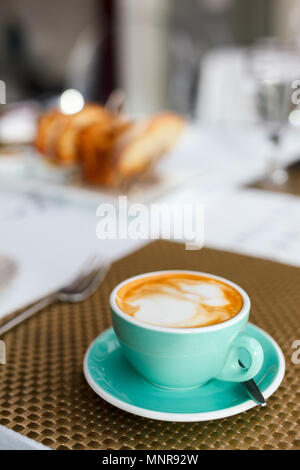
(186,417)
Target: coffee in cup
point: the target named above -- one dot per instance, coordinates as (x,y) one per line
(181,329)
(179,300)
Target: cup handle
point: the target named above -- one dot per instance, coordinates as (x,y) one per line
(232,371)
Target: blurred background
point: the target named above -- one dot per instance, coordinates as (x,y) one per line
(219,63)
(160,52)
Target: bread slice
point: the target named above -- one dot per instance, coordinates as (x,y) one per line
(142,145)
(66,149)
(95,144)
(47,128)
(114,158)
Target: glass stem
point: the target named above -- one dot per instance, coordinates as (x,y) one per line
(276,173)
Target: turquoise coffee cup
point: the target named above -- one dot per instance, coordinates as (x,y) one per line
(183,358)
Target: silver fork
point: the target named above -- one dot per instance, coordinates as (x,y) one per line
(83,285)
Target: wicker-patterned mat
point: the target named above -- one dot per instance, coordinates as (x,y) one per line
(44,395)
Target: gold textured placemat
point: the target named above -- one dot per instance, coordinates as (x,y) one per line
(43,393)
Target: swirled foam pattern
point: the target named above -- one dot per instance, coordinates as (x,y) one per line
(179,300)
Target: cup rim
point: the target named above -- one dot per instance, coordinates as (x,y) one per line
(191,330)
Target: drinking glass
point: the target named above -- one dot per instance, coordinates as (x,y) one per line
(272,69)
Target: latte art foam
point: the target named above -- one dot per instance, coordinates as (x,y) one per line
(179,300)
